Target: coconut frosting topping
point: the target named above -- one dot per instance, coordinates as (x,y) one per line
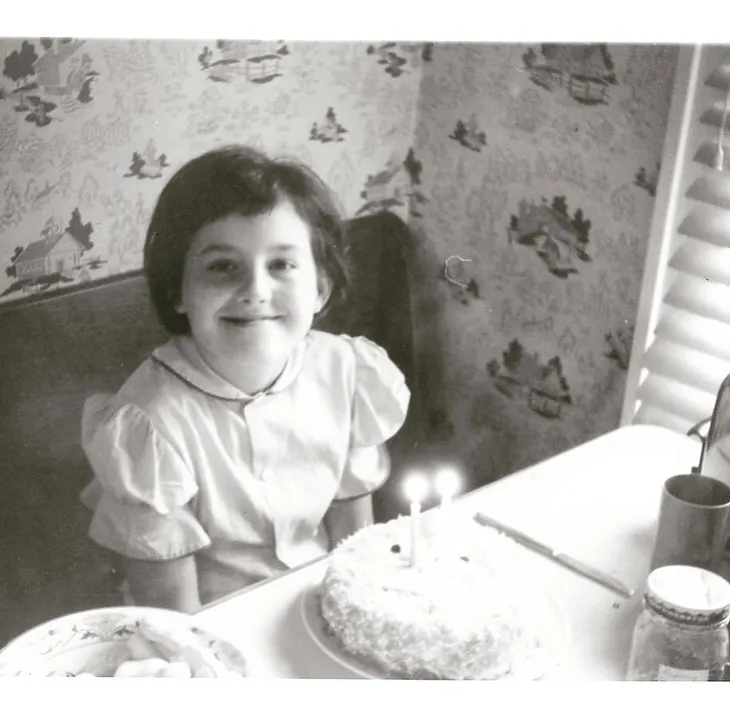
(464,611)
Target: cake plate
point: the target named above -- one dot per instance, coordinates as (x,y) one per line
(544,660)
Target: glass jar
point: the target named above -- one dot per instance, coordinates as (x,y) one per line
(682,631)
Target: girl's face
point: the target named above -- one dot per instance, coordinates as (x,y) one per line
(251,289)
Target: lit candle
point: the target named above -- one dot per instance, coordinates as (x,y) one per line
(448,483)
(416,487)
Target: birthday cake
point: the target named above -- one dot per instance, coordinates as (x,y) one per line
(462,611)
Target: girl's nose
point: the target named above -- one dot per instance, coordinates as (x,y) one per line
(255,287)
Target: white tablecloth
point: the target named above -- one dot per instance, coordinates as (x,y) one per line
(597,502)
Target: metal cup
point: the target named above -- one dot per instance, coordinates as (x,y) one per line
(693,519)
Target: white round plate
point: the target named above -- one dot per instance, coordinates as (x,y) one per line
(537,667)
(68,645)
(317,628)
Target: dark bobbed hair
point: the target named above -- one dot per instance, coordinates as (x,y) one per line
(230,180)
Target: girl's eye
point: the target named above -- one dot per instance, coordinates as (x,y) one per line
(220,266)
(282,265)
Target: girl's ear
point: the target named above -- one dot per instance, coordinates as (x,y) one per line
(324,287)
(177,303)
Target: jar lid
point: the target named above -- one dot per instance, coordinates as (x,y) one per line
(691,594)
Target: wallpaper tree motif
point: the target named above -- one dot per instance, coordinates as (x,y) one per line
(544,204)
(90,130)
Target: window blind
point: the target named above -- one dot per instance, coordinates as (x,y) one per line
(681,348)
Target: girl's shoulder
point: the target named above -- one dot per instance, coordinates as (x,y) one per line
(152,381)
(353,350)
(380,396)
(152,390)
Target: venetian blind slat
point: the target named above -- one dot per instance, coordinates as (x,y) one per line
(702,297)
(709,224)
(720,76)
(695,331)
(713,189)
(686,365)
(703,260)
(648,414)
(683,401)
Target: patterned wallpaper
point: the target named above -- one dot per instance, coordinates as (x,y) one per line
(539,166)
(527,172)
(91,129)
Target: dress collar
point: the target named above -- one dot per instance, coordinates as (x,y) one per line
(184,360)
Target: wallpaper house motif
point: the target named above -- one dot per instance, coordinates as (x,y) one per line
(92,129)
(543,206)
(530,168)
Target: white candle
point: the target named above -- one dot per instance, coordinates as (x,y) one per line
(448,483)
(416,487)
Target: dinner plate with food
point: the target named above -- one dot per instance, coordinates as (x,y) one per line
(127,641)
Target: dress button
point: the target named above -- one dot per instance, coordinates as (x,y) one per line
(266,474)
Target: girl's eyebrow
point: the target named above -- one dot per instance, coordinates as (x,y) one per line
(223,247)
(216,247)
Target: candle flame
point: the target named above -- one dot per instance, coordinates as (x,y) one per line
(416,487)
(448,482)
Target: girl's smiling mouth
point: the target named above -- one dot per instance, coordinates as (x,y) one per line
(244,321)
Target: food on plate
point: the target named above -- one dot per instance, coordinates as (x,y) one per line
(463,611)
(157,651)
(147,668)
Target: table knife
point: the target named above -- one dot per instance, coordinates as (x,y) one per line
(566,560)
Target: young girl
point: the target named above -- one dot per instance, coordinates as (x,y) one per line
(248,443)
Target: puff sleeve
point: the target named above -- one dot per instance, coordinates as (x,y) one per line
(381,396)
(380,405)
(142,488)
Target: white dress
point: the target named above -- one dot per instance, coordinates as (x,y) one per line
(184,462)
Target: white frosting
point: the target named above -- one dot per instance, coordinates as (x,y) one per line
(463,612)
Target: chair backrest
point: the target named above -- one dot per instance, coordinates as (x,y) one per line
(378,304)
(57,350)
